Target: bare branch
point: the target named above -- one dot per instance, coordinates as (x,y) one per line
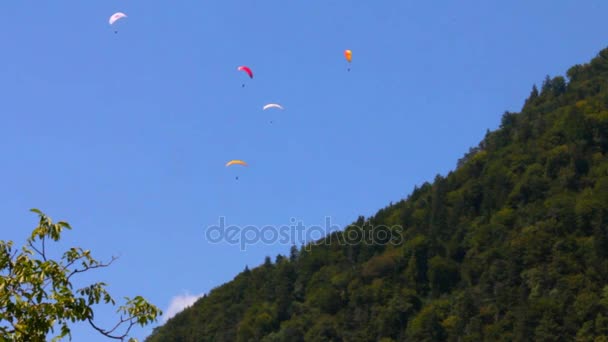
(108,333)
(36,250)
(90,267)
(43,249)
(122,320)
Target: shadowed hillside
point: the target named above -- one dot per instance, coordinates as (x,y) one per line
(512,245)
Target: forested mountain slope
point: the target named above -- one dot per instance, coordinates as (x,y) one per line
(512,245)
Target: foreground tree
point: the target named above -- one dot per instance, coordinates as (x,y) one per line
(37,295)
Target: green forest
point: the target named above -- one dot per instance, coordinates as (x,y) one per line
(512,245)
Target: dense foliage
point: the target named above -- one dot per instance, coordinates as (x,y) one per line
(512,245)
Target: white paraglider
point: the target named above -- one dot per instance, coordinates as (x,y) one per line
(116,16)
(273,105)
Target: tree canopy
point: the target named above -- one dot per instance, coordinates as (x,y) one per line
(37,295)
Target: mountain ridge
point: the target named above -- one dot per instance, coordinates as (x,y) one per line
(511,244)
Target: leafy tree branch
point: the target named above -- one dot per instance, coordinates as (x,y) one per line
(37,295)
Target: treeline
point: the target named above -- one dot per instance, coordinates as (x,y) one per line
(510,246)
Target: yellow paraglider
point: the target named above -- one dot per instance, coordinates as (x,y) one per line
(236,162)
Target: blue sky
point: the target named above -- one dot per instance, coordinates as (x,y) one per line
(126,135)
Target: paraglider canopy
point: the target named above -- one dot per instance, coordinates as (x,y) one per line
(273,105)
(236,162)
(246,69)
(116,16)
(349,55)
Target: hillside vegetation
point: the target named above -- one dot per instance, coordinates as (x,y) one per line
(510,246)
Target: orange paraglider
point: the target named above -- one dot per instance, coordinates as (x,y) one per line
(349,56)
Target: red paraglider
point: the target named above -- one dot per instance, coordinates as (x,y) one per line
(247,70)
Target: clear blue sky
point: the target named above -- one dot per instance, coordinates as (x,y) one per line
(126,135)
